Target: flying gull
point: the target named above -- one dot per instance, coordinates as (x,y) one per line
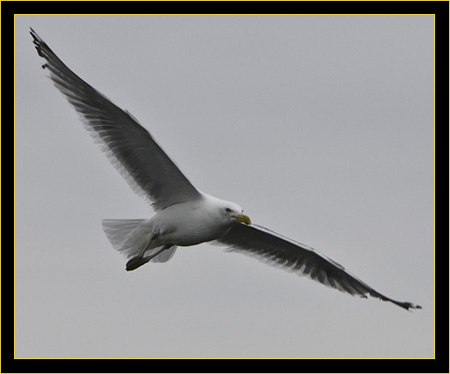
(184,215)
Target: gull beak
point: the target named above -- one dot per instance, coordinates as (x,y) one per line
(243,218)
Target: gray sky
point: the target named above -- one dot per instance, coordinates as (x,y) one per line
(321,127)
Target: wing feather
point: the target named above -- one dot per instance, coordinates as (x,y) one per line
(275,249)
(129,147)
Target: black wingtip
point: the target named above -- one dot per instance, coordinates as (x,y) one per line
(40,45)
(402,304)
(414,306)
(406,305)
(37,41)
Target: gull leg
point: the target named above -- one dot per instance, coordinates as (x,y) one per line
(138,261)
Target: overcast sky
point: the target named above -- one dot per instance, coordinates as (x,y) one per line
(320,127)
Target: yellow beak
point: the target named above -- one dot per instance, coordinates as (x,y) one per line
(243,218)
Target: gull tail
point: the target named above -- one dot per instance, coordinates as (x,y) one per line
(132,238)
(119,233)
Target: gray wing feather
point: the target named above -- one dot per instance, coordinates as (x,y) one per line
(129,147)
(264,244)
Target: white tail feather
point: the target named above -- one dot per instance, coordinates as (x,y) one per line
(119,230)
(132,238)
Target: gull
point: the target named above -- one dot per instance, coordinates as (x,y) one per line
(184,215)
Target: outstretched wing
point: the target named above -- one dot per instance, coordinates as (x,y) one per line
(271,247)
(129,147)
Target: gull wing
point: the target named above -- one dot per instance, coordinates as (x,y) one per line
(129,147)
(275,249)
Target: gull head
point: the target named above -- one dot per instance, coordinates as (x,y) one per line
(233,212)
(225,211)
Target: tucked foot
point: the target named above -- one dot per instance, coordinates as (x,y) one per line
(136,262)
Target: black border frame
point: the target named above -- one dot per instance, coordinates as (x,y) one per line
(437,365)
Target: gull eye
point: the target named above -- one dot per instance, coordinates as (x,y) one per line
(228,210)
